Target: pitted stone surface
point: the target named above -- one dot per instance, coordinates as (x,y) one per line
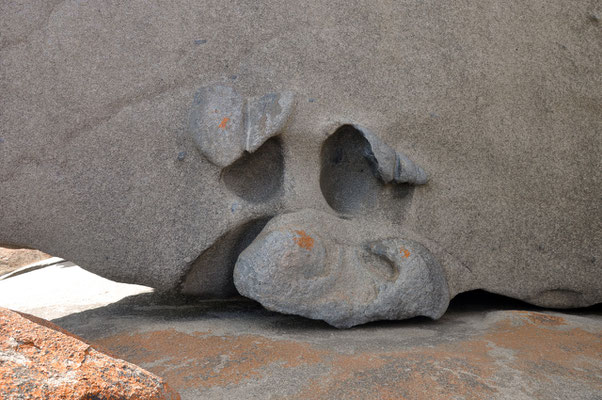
(316,265)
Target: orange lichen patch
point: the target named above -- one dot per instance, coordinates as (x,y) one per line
(304,240)
(193,360)
(442,372)
(540,318)
(222,124)
(528,345)
(405,253)
(543,352)
(42,361)
(467,369)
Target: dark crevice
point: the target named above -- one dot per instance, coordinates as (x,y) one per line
(258,176)
(349,179)
(210,275)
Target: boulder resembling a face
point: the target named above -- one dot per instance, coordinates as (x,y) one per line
(312,264)
(152,145)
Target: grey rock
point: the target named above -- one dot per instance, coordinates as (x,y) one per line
(501,105)
(217,124)
(210,276)
(223,125)
(391,166)
(310,263)
(266,117)
(481,348)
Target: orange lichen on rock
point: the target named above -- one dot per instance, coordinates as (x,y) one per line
(544,350)
(224,122)
(39,360)
(541,351)
(537,346)
(541,319)
(211,360)
(304,240)
(405,253)
(443,372)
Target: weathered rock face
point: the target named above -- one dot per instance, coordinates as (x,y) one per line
(39,360)
(319,266)
(104,160)
(224,126)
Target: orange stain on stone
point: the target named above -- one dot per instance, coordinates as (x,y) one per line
(43,361)
(545,350)
(304,240)
(202,360)
(442,372)
(468,369)
(537,346)
(404,252)
(541,319)
(222,124)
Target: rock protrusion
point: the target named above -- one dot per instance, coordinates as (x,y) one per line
(391,165)
(224,125)
(39,360)
(319,266)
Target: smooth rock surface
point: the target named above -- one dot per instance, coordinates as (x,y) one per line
(13,259)
(39,361)
(224,125)
(498,102)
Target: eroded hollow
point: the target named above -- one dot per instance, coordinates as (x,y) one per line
(349,179)
(258,176)
(378,265)
(210,275)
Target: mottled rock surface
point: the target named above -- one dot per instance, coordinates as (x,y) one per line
(39,360)
(482,348)
(319,266)
(498,102)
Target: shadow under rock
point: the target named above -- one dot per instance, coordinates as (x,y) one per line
(174,307)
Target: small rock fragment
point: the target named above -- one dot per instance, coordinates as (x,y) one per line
(266,116)
(392,166)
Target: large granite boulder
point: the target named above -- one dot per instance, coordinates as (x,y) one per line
(39,360)
(109,155)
